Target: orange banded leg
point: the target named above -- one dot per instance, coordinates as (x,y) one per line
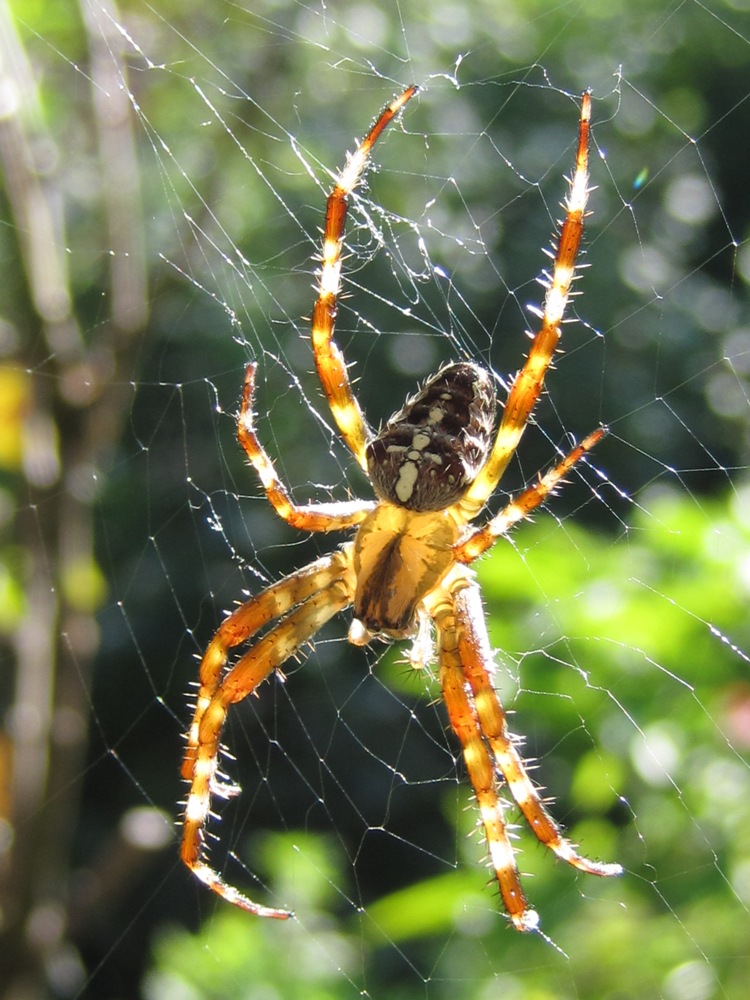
(477,664)
(481,769)
(329,360)
(529,382)
(527,501)
(270,652)
(251,616)
(307,517)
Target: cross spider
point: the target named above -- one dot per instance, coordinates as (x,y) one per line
(433,467)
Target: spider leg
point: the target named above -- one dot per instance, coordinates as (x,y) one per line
(465,721)
(479,721)
(478,667)
(481,539)
(529,382)
(329,360)
(308,599)
(274,602)
(306,517)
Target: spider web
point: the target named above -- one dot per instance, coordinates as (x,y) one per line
(618,614)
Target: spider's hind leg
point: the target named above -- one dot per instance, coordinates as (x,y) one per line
(328,356)
(529,382)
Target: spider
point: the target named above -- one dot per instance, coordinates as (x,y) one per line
(405,571)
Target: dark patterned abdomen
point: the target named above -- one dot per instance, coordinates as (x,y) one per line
(433,448)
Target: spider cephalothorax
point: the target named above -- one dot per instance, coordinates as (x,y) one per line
(433,467)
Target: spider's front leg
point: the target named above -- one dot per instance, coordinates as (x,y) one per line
(479,721)
(462,712)
(296,589)
(304,602)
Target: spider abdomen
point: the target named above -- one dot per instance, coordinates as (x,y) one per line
(433,448)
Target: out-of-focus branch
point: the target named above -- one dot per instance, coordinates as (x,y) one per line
(119,165)
(76,401)
(25,153)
